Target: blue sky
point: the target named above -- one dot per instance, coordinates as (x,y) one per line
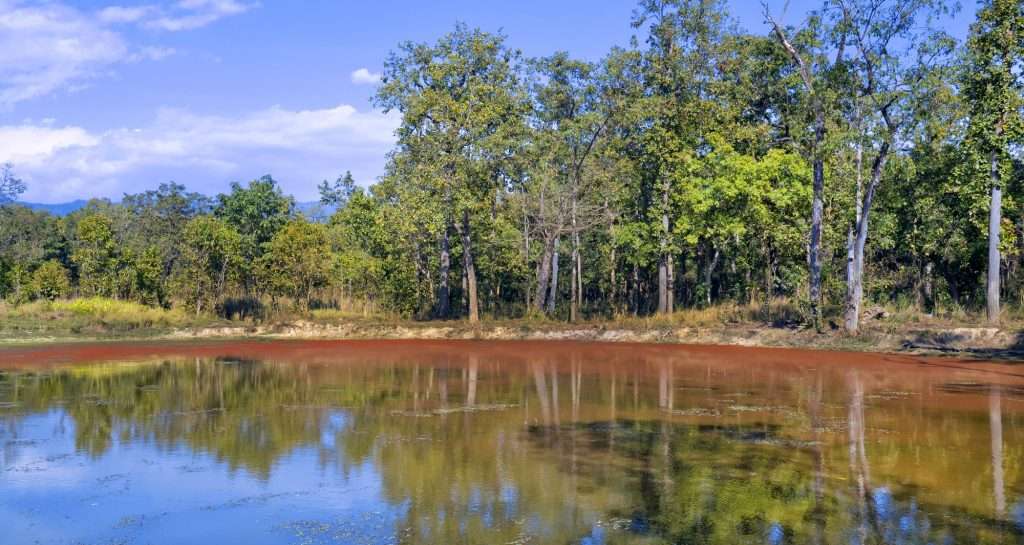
(98,98)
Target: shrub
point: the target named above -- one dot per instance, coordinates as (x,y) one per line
(51,281)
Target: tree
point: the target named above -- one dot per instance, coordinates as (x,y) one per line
(569,119)
(210,257)
(459,101)
(338,193)
(297,261)
(51,281)
(157,220)
(95,255)
(817,75)
(901,59)
(993,85)
(146,276)
(257,212)
(10,186)
(680,106)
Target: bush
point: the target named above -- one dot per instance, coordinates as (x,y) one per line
(51,281)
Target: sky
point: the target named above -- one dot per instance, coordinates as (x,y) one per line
(100,98)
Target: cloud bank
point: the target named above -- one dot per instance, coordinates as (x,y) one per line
(49,46)
(62,163)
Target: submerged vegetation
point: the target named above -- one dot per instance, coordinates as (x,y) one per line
(699,167)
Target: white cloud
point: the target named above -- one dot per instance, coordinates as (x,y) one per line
(47,47)
(124,14)
(152,54)
(301,147)
(363,76)
(190,14)
(50,46)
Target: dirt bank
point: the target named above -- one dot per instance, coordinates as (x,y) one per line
(968,341)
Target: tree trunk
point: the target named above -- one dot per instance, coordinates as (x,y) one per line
(994,220)
(443,291)
(709,272)
(636,289)
(553,295)
(574,283)
(670,293)
(666,256)
(814,247)
(526,252)
(574,305)
(662,285)
(855,282)
(470,268)
(929,288)
(543,275)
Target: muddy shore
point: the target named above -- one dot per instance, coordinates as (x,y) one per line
(976,342)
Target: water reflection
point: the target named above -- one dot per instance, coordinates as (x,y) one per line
(502,443)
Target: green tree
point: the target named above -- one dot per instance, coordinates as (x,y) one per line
(257,212)
(338,193)
(146,276)
(993,86)
(901,61)
(51,281)
(824,36)
(157,218)
(210,258)
(95,255)
(297,262)
(569,119)
(460,102)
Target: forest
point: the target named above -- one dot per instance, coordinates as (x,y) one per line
(860,157)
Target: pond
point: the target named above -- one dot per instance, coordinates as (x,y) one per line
(437,442)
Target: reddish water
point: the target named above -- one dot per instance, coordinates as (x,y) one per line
(505,442)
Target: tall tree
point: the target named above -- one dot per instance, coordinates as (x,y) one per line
(901,59)
(993,85)
(685,39)
(810,56)
(95,255)
(570,118)
(459,99)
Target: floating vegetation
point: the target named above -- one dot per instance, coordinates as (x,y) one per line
(695,411)
(454,410)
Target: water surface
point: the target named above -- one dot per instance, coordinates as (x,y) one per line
(505,443)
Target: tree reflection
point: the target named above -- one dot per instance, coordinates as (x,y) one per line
(474,449)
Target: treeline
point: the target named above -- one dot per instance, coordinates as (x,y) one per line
(862,155)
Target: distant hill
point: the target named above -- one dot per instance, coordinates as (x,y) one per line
(58,209)
(312,210)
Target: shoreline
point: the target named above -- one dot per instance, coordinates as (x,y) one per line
(964,342)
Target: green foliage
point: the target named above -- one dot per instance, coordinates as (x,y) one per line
(257,212)
(680,166)
(51,281)
(210,260)
(94,256)
(297,262)
(338,193)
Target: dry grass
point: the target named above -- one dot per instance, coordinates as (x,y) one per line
(778,312)
(93,315)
